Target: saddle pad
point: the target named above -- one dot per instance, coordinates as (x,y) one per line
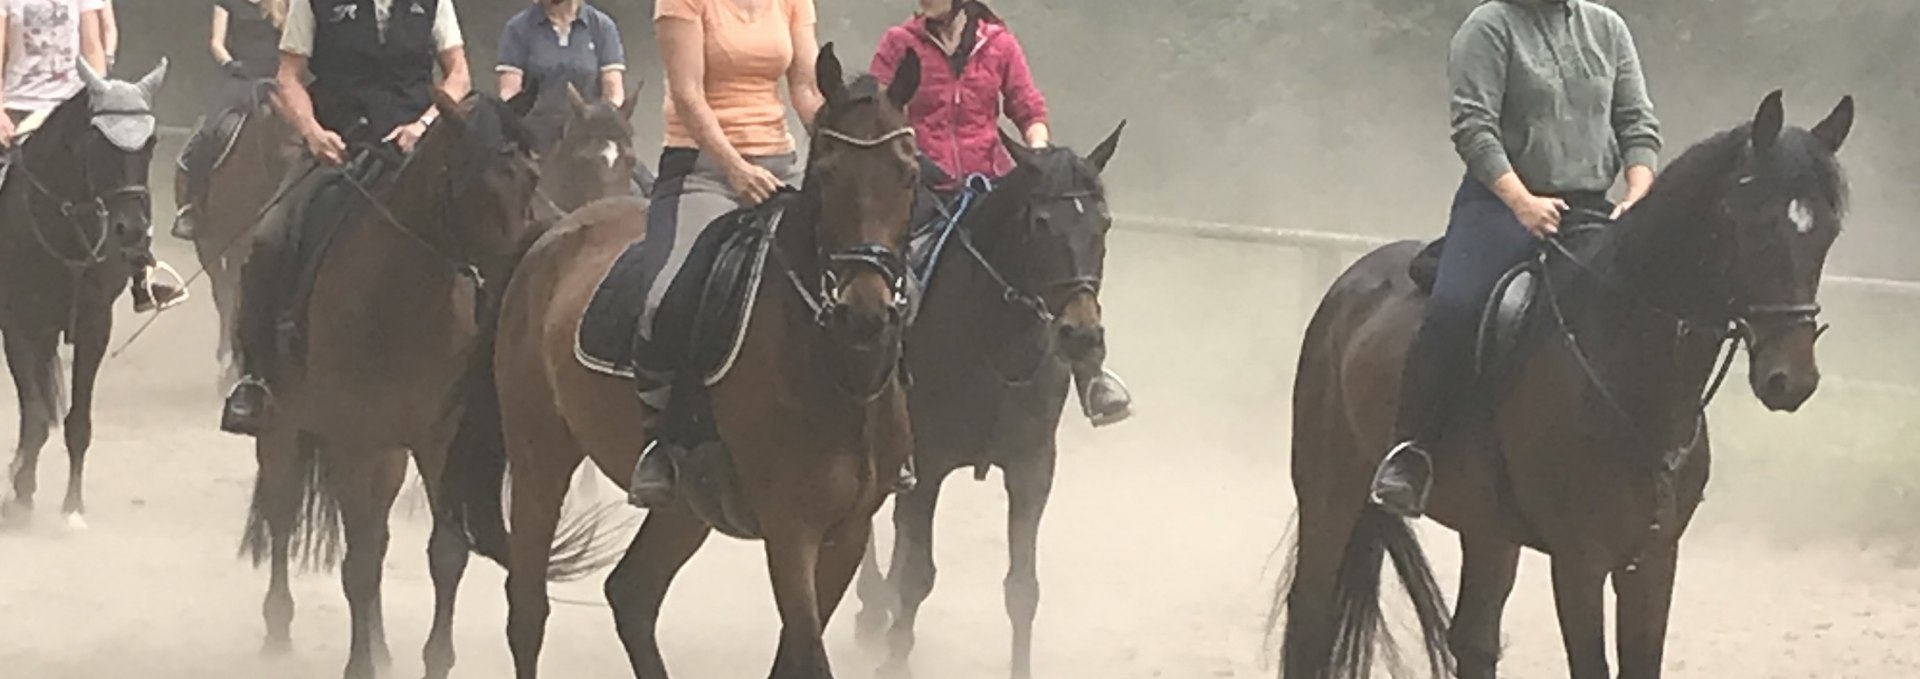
(315,219)
(223,132)
(701,320)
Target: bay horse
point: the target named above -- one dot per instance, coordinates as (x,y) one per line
(1011,303)
(589,154)
(241,185)
(1594,450)
(391,325)
(76,221)
(812,412)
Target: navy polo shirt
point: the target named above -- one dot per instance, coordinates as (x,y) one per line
(532,46)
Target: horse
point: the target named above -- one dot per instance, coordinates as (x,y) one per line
(391,323)
(812,412)
(1011,301)
(242,184)
(586,151)
(1593,447)
(78,222)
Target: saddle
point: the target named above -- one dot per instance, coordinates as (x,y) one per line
(701,318)
(313,220)
(1504,321)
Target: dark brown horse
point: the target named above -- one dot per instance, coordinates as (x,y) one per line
(591,154)
(240,186)
(1012,303)
(812,414)
(392,323)
(76,219)
(1595,449)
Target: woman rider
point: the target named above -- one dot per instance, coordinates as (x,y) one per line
(1548,105)
(372,64)
(41,47)
(727,139)
(556,43)
(246,44)
(956,117)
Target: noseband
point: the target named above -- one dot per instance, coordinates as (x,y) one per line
(79,214)
(880,258)
(1034,301)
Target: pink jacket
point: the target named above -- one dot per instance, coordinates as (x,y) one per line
(956,118)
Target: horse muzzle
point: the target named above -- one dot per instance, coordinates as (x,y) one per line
(865,307)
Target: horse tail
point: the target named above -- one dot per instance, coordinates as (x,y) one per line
(314,538)
(1358,624)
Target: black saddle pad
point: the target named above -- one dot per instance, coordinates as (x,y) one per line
(702,316)
(319,215)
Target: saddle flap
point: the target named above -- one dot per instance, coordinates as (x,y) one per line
(1504,320)
(1424,268)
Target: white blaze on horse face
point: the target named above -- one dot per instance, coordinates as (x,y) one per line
(1801,215)
(610,153)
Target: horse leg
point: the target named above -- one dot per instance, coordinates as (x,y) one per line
(366,480)
(92,328)
(1644,595)
(876,597)
(793,562)
(840,557)
(1488,566)
(1579,599)
(1312,613)
(32,360)
(1028,485)
(912,572)
(447,553)
(538,490)
(637,587)
(278,497)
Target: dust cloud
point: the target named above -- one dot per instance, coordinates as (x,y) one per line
(1158,549)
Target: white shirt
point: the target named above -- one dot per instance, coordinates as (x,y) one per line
(43,51)
(297,36)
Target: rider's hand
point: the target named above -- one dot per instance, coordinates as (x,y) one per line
(6,129)
(234,68)
(752,182)
(408,135)
(326,146)
(1540,215)
(1622,208)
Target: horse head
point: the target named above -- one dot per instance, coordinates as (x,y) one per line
(1056,246)
(111,153)
(491,170)
(1780,213)
(863,169)
(593,157)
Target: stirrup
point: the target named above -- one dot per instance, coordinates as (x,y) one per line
(1416,505)
(153,302)
(1118,415)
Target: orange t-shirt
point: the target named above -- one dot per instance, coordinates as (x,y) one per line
(747,55)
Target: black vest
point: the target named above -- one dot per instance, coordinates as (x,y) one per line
(364,84)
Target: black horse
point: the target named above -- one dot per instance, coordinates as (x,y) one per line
(1011,306)
(1595,447)
(75,224)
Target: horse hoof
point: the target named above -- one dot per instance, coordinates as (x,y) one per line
(870,629)
(894,669)
(276,647)
(76,522)
(15,514)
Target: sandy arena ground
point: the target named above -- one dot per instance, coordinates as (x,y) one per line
(1157,551)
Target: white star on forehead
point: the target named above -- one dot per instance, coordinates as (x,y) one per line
(1801,215)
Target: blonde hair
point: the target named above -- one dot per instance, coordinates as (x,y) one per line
(276,10)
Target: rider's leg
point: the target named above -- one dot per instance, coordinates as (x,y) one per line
(1484,239)
(195,164)
(263,283)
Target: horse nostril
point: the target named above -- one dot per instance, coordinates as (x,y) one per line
(1776,385)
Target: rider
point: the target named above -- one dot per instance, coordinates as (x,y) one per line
(41,47)
(555,43)
(727,139)
(372,64)
(956,117)
(1549,104)
(246,45)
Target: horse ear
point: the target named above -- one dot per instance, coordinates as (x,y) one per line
(1767,122)
(1833,131)
(94,82)
(631,104)
(1022,155)
(150,83)
(576,102)
(450,112)
(1104,152)
(522,103)
(906,81)
(832,79)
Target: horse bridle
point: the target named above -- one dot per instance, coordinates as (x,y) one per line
(1035,302)
(880,258)
(75,211)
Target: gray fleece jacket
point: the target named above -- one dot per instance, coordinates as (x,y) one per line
(1552,90)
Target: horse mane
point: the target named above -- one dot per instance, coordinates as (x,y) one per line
(1801,159)
(1064,172)
(489,126)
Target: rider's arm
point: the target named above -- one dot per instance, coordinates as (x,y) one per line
(217,44)
(511,59)
(803,86)
(93,47)
(611,54)
(1026,106)
(682,48)
(1477,73)
(109,36)
(450,45)
(1635,127)
(295,103)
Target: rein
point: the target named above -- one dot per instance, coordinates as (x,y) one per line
(1011,294)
